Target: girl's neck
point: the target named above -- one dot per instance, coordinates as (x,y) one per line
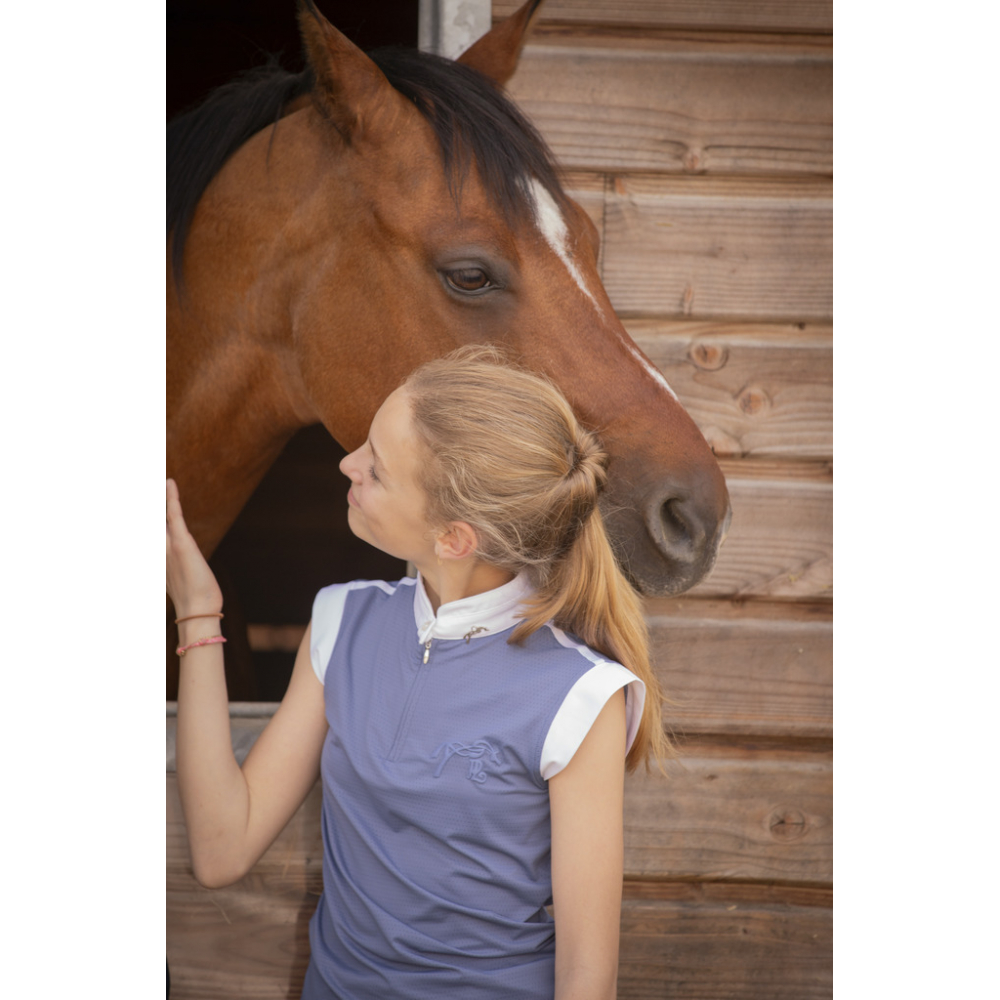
(454,579)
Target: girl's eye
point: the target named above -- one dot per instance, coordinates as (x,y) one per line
(371,472)
(468,279)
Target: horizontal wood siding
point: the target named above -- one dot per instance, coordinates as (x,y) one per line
(733,814)
(681,105)
(720,15)
(756,390)
(704,941)
(780,542)
(689,247)
(754,669)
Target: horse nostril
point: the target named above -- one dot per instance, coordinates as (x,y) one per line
(677,529)
(672,525)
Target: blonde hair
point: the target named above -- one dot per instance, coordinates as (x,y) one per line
(506,454)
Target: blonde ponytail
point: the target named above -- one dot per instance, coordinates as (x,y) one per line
(587,595)
(506,454)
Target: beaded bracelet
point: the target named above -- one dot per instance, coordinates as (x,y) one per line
(211,640)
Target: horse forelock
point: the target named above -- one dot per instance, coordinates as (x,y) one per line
(475,124)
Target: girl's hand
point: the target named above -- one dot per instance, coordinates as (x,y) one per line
(191,584)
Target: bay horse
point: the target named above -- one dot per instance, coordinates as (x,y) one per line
(330,230)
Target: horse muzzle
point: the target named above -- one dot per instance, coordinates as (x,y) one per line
(670,543)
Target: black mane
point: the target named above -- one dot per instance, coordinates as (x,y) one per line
(473,120)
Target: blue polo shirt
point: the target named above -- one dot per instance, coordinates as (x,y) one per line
(435,821)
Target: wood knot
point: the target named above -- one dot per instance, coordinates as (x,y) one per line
(692,160)
(722,444)
(752,400)
(708,357)
(786,824)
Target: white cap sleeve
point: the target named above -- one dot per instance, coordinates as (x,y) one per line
(327,614)
(582,706)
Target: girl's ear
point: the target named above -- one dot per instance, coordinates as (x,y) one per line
(457,541)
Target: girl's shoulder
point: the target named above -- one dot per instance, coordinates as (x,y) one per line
(335,604)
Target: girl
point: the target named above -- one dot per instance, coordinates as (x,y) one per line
(470,726)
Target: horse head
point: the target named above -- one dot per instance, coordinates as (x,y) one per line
(405,208)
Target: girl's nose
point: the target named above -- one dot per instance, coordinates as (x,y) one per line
(349,466)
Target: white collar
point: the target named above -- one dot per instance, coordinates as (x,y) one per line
(479,615)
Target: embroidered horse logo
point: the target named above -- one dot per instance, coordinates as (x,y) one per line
(474,752)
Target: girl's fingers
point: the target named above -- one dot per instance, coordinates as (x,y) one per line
(174,512)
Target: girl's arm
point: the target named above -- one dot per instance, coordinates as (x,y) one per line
(587,800)
(232,815)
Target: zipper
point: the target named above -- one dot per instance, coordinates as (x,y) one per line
(403,727)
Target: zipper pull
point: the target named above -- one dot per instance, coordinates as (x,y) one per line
(427,650)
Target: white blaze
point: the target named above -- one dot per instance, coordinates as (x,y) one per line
(553,227)
(654,372)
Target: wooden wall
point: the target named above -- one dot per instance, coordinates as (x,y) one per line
(698,135)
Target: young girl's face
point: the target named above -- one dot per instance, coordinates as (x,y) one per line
(386,506)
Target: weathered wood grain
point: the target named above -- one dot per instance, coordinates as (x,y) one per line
(772,15)
(691,105)
(725,942)
(250,939)
(780,542)
(755,390)
(747,672)
(740,814)
(712,248)
(678,940)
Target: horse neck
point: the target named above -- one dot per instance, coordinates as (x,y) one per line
(234,393)
(229,414)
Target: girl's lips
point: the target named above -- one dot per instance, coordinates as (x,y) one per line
(350,498)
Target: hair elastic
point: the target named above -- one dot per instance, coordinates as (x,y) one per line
(211,640)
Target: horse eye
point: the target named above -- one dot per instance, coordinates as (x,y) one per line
(468,279)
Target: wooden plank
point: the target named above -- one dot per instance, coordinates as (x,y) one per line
(736,814)
(713,248)
(757,669)
(709,942)
(755,390)
(682,105)
(250,939)
(771,15)
(780,542)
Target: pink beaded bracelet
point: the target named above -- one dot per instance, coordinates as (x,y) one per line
(181,650)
